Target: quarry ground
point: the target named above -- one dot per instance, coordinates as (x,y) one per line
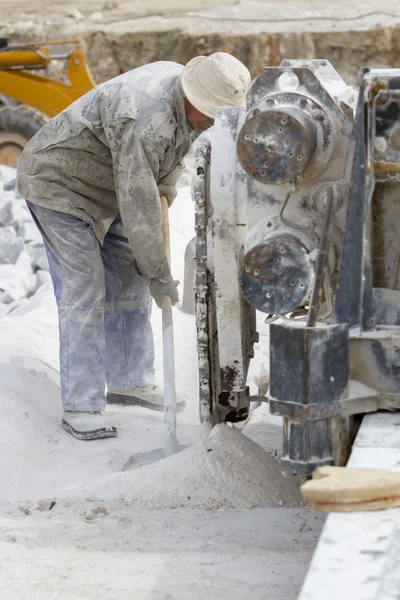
(125,9)
(119,35)
(72,524)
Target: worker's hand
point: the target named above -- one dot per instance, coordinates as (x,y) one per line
(164,287)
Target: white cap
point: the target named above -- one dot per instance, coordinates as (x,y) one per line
(213,81)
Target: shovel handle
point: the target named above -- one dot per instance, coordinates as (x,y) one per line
(165,227)
(166,302)
(170,438)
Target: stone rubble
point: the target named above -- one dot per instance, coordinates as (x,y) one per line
(23,262)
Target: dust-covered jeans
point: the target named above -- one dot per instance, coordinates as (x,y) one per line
(104,308)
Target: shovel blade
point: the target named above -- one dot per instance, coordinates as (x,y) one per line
(147,458)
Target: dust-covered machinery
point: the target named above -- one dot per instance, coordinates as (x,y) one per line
(298,216)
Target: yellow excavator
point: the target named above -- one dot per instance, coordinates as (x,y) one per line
(28,98)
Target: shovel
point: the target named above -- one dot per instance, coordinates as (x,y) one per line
(171,445)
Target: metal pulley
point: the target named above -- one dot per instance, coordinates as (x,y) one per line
(275,146)
(277,274)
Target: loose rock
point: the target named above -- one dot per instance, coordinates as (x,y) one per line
(10,245)
(45,504)
(23,261)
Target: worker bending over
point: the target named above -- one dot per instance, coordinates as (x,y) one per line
(92,178)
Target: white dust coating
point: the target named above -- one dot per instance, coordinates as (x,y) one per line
(234,473)
(226,471)
(85,548)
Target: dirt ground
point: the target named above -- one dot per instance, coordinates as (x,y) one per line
(330,13)
(120,35)
(119,8)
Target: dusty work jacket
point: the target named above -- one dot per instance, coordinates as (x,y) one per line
(115,151)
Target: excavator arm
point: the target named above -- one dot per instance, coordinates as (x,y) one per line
(45,94)
(28,97)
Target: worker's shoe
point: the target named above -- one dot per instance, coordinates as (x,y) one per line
(149,396)
(87,425)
